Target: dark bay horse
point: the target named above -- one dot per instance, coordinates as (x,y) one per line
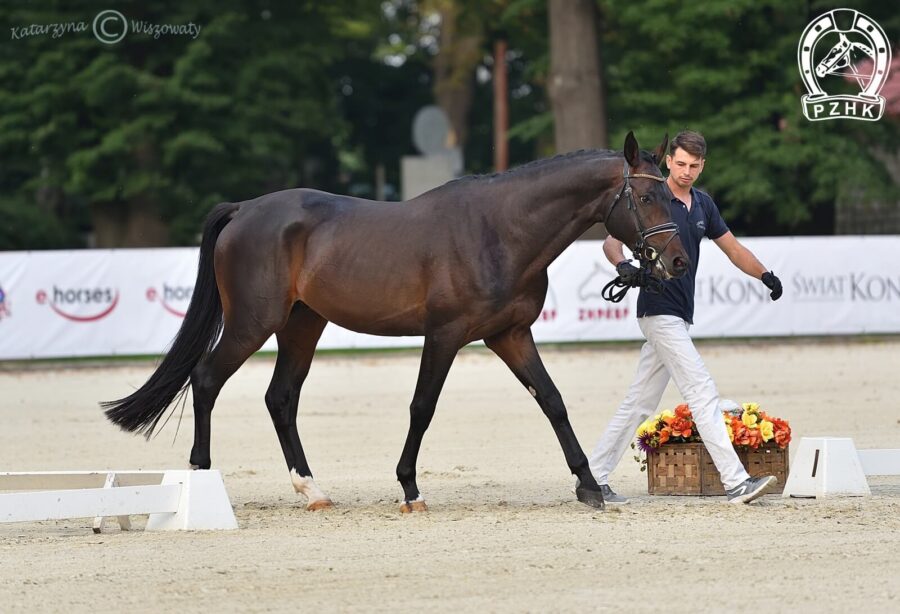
(463,262)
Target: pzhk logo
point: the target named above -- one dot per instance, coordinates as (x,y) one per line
(171,297)
(855,49)
(70,303)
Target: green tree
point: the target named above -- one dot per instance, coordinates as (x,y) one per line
(728,69)
(142,137)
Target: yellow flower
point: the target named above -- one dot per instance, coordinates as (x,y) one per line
(749,419)
(730,431)
(751,407)
(647,426)
(668,413)
(766,430)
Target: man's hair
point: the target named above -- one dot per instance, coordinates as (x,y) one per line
(690,141)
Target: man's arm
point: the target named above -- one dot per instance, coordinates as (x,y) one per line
(740,256)
(612,248)
(744,259)
(628,273)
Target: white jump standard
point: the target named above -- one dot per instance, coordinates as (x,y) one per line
(175,500)
(832,466)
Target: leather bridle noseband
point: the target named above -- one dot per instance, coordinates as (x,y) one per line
(645,253)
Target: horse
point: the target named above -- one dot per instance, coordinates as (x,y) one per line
(463,262)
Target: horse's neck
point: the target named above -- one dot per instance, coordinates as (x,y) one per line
(551,211)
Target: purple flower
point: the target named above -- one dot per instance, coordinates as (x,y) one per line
(645,443)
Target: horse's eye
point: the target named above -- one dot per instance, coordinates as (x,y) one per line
(645,199)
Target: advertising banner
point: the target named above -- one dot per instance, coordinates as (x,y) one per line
(132,301)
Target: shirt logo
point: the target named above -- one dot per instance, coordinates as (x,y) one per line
(858,54)
(701,226)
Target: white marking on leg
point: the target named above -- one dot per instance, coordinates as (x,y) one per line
(306,486)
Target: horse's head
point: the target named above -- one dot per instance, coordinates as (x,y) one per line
(640,216)
(837,57)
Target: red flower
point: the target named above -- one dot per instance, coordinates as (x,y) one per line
(681,427)
(782,433)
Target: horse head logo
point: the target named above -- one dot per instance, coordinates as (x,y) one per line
(861,52)
(592,286)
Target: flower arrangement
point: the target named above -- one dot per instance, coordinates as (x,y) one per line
(747,425)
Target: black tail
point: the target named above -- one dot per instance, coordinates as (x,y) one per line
(141,410)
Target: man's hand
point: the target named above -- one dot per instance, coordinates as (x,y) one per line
(772,283)
(628,273)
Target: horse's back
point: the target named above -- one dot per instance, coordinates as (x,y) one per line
(357,263)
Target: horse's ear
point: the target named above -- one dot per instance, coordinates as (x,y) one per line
(632,150)
(660,153)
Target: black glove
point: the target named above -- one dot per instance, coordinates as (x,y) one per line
(629,273)
(773,284)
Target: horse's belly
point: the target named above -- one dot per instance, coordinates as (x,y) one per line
(371,324)
(368,311)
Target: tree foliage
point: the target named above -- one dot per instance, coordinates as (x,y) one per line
(167,127)
(134,142)
(728,69)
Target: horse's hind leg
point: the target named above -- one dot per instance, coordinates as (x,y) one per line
(438,353)
(210,375)
(296,346)
(515,346)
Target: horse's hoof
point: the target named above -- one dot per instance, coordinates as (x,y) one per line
(194,467)
(594,498)
(321,504)
(407,507)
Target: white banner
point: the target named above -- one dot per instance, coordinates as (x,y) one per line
(131,301)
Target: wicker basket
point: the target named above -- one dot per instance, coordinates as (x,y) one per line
(687,469)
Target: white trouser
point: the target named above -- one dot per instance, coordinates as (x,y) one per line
(668,351)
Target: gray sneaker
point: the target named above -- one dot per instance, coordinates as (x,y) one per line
(609,495)
(751,489)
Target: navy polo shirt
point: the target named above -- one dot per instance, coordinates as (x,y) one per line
(703,220)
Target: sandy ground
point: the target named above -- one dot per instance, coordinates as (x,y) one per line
(504,532)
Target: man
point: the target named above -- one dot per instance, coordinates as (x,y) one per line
(664,320)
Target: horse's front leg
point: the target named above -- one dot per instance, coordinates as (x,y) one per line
(439,350)
(516,347)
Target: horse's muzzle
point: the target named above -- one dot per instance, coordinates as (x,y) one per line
(678,267)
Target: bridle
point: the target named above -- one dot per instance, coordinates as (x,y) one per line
(645,253)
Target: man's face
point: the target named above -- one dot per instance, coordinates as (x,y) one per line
(684,168)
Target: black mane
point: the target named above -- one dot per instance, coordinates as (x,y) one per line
(547,162)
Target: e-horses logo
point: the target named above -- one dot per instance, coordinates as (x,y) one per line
(861,45)
(69,302)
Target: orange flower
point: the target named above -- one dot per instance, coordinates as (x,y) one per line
(754,438)
(664,434)
(683,411)
(741,433)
